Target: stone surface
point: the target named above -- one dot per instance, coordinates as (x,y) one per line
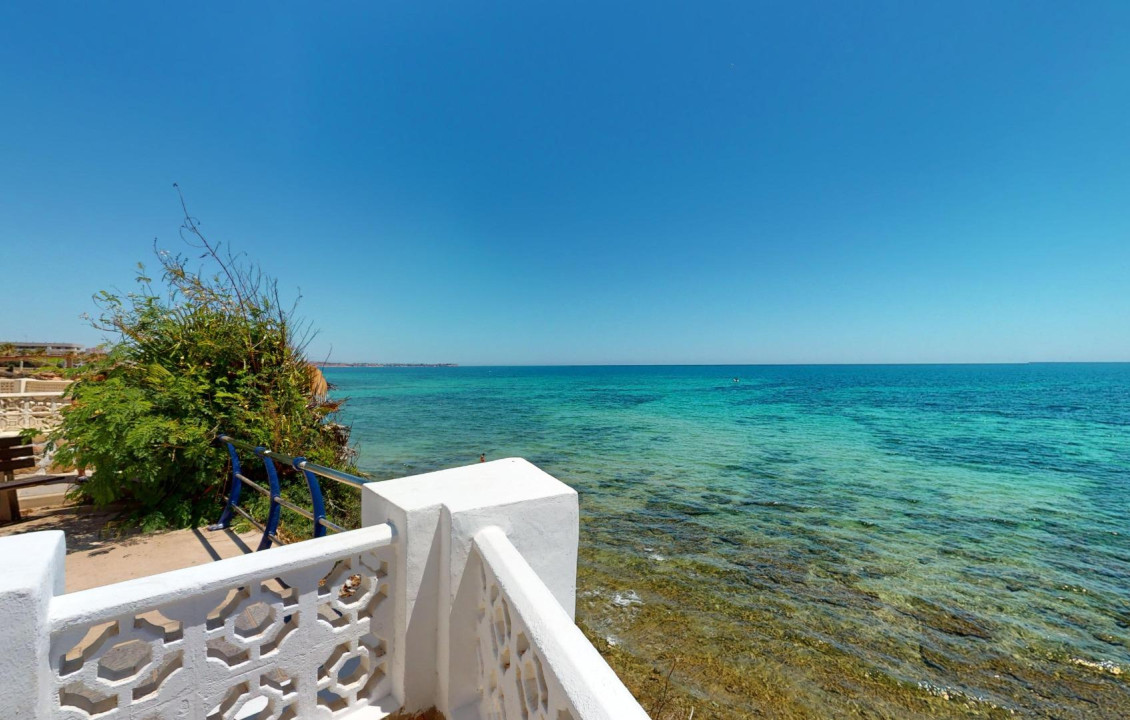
(98,553)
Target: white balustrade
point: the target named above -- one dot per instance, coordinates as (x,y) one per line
(535,664)
(31,410)
(31,385)
(457,594)
(300,631)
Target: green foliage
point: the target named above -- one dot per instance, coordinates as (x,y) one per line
(204,355)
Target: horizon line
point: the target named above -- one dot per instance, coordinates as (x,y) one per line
(344,365)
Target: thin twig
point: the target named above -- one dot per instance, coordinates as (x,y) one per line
(661,703)
(190,225)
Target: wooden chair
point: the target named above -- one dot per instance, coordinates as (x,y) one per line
(16,455)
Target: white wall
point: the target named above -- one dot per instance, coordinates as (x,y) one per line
(33,575)
(439,514)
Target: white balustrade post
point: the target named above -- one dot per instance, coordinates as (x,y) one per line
(436,517)
(33,574)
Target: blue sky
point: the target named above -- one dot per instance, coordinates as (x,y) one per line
(581,182)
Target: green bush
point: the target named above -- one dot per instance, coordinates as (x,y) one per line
(203,355)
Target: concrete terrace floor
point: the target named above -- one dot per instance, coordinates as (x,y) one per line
(101,552)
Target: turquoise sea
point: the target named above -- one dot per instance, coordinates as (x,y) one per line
(855,541)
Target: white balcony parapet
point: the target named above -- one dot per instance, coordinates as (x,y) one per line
(458,593)
(300,631)
(534,661)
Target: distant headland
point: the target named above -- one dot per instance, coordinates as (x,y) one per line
(364,364)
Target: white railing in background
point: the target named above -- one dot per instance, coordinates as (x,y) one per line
(31,385)
(297,632)
(31,410)
(534,662)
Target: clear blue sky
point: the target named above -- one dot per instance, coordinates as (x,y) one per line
(590,182)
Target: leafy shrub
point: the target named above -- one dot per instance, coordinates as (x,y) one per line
(203,355)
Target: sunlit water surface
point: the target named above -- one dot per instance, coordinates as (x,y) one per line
(958,531)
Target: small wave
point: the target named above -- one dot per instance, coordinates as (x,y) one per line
(626,599)
(779,505)
(949,693)
(653,554)
(1100,666)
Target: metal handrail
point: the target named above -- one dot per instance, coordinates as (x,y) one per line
(311,471)
(294,508)
(250,519)
(254,485)
(299,463)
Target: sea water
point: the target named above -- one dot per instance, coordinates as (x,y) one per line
(885,540)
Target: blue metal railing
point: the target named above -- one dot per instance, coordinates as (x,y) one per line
(311,471)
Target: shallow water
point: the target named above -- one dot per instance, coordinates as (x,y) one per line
(959,533)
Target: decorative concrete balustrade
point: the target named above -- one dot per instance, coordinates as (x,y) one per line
(215,640)
(32,386)
(533,661)
(458,593)
(31,404)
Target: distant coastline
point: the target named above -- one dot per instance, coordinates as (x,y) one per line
(372,365)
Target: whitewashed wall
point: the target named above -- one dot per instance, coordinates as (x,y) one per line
(451,521)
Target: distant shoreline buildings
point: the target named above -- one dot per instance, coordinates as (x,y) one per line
(48,349)
(24,356)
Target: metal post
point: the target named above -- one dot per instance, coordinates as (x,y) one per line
(273,516)
(316,500)
(233,496)
(270,458)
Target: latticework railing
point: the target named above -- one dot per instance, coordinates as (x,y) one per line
(31,410)
(300,632)
(534,663)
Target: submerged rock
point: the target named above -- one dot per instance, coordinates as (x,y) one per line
(951,622)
